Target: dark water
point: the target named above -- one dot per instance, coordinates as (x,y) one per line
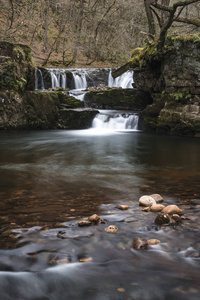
(50,180)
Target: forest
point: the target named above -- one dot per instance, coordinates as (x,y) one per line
(92,32)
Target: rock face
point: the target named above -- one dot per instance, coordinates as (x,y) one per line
(17,70)
(117,98)
(173,81)
(42,110)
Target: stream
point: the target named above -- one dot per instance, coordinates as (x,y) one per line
(50,180)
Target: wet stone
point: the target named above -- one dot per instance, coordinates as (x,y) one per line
(157,197)
(176,217)
(157,208)
(95,219)
(172,209)
(111,229)
(147,201)
(162,219)
(153,242)
(123,207)
(84,223)
(140,243)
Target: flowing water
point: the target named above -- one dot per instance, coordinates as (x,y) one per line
(50,180)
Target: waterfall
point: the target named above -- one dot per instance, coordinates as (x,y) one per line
(125,80)
(39,82)
(58,78)
(80,80)
(109,120)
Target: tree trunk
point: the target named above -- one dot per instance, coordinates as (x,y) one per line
(79,30)
(150,18)
(46,26)
(164,14)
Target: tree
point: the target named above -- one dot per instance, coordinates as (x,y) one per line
(167,15)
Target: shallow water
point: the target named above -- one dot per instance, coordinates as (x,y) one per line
(50,180)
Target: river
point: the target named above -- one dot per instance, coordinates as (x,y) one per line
(49,180)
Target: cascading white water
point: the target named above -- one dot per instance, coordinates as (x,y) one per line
(38,78)
(58,78)
(119,121)
(125,80)
(80,81)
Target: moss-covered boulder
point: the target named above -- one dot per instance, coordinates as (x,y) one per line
(42,110)
(118,98)
(17,70)
(79,118)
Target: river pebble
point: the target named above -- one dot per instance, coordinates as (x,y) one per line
(95,219)
(153,242)
(157,208)
(172,209)
(123,207)
(147,201)
(157,197)
(140,243)
(162,219)
(111,229)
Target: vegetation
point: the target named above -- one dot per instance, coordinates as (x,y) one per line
(91,32)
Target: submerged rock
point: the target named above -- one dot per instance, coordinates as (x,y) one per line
(123,207)
(162,219)
(111,229)
(157,208)
(153,242)
(84,223)
(147,201)
(139,243)
(172,209)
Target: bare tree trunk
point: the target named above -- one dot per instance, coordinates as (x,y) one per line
(46,26)
(79,30)
(164,14)
(151,23)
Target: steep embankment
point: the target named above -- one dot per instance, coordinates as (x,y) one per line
(172,78)
(23,108)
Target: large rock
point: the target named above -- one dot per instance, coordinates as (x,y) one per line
(42,110)
(117,98)
(157,208)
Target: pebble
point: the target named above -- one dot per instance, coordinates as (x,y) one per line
(153,242)
(95,219)
(157,197)
(176,217)
(147,201)
(162,219)
(84,223)
(123,207)
(172,209)
(139,243)
(111,229)
(157,208)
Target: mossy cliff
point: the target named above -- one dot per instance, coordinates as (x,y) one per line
(17,70)
(172,78)
(23,108)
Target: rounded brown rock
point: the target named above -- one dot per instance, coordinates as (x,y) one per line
(146,201)
(172,209)
(157,208)
(111,229)
(157,197)
(123,207)
(139,243)
(153,242)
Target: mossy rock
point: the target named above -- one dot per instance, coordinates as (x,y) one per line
(17,68)
(76,118)
(118,99)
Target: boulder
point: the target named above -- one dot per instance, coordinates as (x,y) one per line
(95,219)
(147,201)
(84,223)
(172,209)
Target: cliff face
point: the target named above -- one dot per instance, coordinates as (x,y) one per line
(173,81)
